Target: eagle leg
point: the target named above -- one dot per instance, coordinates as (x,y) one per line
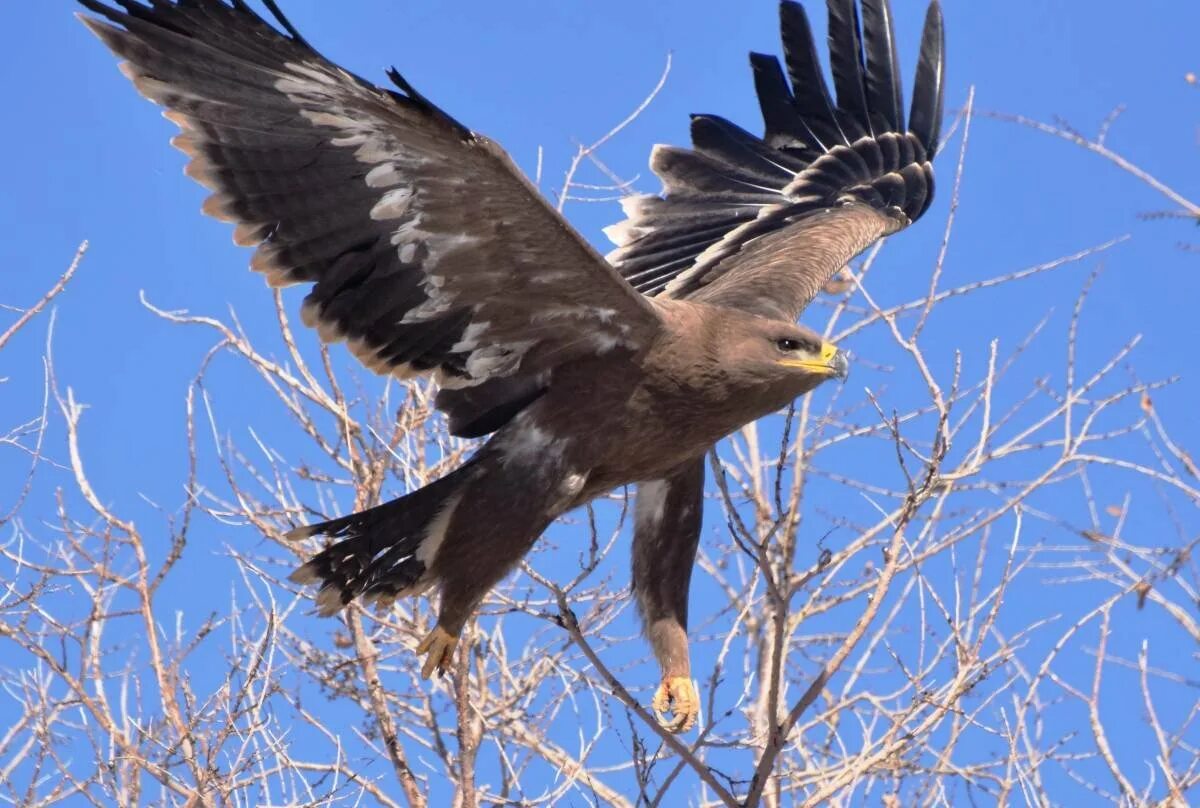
(438,648)
(495,518)
(666,533)
(676,704)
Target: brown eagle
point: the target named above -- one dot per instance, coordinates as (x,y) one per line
(427,250)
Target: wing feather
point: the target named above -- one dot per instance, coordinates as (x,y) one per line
(925,118)
(426,247)
(812,101)
(882,65)
(819,165)
(849,73)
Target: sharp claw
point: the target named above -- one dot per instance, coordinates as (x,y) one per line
(438,647)
(676,704)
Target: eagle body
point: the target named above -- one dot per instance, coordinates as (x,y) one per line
(708,372)
(602,423)
(426,250)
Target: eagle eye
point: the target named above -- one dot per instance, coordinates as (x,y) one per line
(787,344)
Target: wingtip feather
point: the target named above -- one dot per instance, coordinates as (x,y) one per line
(812,100)
(925,117)
(846,64)
(884,95)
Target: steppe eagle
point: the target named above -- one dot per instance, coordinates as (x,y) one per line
(428,251)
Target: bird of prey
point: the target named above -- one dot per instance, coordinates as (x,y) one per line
(426,250)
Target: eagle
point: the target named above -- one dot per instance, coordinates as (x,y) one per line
(427,250)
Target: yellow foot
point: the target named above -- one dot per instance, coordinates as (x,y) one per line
(438,648)
(676,704)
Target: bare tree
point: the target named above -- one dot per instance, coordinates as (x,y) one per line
(865,632)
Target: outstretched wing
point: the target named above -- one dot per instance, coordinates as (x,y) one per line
(762,224)
(426,247)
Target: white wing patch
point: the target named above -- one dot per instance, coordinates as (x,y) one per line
(392,205)
(396,169)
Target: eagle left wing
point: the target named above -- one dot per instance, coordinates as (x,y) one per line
(426,248)
(761,224)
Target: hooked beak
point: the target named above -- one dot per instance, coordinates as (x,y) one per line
(830,362)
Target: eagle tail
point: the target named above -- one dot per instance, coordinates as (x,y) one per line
(385,552)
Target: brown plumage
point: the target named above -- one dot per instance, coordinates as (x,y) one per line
(427,250)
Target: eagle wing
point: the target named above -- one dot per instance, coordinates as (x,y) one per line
(761,224)
(428,250)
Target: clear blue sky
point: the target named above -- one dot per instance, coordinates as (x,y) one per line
(85,157)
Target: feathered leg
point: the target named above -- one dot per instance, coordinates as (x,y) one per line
(495,522)
(666,533)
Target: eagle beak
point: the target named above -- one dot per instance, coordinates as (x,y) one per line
(829,362)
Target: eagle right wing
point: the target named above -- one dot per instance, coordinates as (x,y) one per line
(761,224)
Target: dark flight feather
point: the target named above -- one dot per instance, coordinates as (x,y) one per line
(729,143)
(811,93)
(925,118)
(884,97)
(784,127)
(846,64)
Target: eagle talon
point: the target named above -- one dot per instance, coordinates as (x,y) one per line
(676,704)
(438,647)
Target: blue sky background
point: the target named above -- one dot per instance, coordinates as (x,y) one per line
(88,158)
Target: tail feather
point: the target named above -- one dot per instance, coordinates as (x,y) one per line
(385,552)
